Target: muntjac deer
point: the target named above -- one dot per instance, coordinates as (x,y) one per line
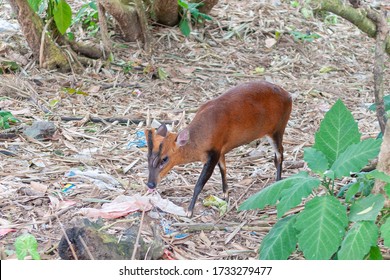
(242,114)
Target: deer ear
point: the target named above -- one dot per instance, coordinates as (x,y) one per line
(162,130)
(183,137)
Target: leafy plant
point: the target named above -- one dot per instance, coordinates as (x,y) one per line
(190,10)
(305,37)
(25,245)
(8,67)
(328,227)
(88,17)
(294,4)
(72,91)
(6,118)
(386,100)
(59,10)
(331,19)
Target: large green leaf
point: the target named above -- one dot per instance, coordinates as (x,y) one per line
(385,232)
(375,253)
(316,160)
(355,157)
(358,241)
(25,245)
(352,190)
(62,16)
(337,131)
(281,240)
(321,226)
(292,196)
(367,208)
(271,194)
(185,27)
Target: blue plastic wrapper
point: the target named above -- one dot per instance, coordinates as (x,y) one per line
(139,141)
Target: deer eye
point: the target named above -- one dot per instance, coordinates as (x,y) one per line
(164,161)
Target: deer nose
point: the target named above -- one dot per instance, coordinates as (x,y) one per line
(151,185)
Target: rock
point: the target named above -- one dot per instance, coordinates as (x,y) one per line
(41,130)
(104,246)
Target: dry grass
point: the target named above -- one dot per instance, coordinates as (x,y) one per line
(224,53)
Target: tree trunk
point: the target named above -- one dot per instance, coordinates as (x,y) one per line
(125,13)
(384,163)
(44,49)
(208,5)
(166,12)
(358,17)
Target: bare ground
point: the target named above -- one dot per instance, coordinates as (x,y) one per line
(233,48)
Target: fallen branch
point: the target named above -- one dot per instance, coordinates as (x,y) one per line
(114,119)
(210,227)
(358,17)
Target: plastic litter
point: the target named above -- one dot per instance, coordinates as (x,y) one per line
(139,141)
(103,181)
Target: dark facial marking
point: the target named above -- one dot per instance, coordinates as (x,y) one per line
(150,143)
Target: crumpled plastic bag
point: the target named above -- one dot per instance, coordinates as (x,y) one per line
(102,180)
(123,205)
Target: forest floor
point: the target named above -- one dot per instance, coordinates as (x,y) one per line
(236,46)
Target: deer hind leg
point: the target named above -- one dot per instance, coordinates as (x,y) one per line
(276,142)
(222,168)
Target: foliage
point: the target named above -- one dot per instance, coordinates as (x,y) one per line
(386,100)
(304,36)
(8,67)
(190,10)
(6,118)
(26,245)
(59,10)
(88,17)
(329,227)
(72,91)
(294,4)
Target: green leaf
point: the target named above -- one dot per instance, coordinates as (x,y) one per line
(26,245)
(386,101)
(338,130)
(294,4)
(292,196)
(385,232)
(6,118)
(53,102)
(185,27)
(271,194)
(75,91)
(355,157)
(387,190)
(277,35)
(378,175)
(3,124)
(281,240)
(162,74)
(316,160)
(183,4)
(358,241)
(321,226)
(327,69)
(367,208)
(375,254)
(62,16)
(352,190)
(307,13)
(34,4)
